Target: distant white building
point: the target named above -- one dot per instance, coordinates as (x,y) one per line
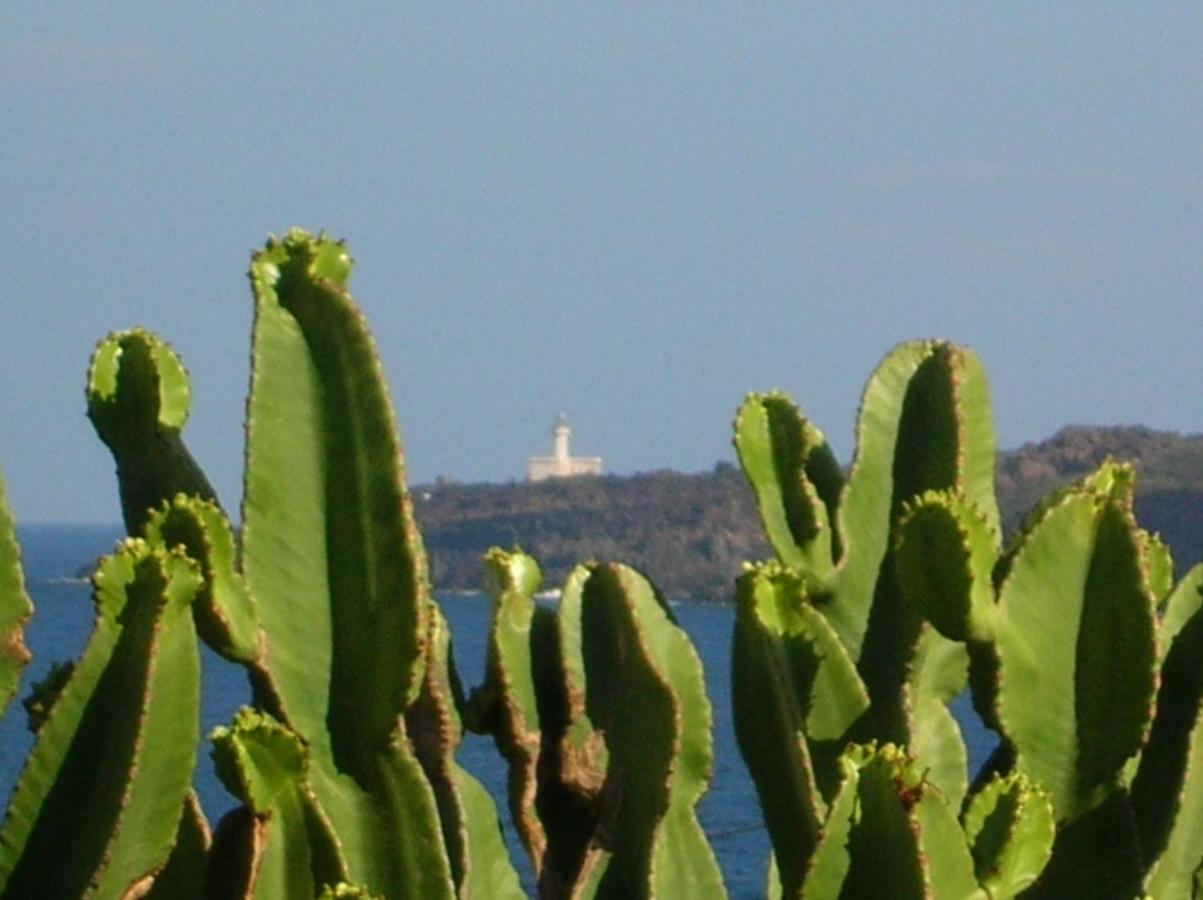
(561,464)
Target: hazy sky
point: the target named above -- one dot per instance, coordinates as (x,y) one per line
(634,214)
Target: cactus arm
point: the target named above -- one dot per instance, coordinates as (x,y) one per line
(367,545)
(831,860)
(940,440)
(572,755)
(796,480)
(866,503)
(334,562)
(583,753)
(15,607)
(279,843)
(646,694)
(890,834)
(225,614)
(1167,791)
(1077,648)
(946,855)
(100,798)
(938,674)
(480,862)
(1010,829)
(977,443)
(944,554)
(884,843)
(795,694)
(138,401)
(512,580)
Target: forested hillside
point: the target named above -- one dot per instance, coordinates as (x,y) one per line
(690,533)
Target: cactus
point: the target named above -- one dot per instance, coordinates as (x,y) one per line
(183,876)
(600,710)
(479,860)
(508,707)
(890,592)
(138,401)
(334,563)
(1093,789)
(1167,790)
(280,842)
(1062,629)
(645,694)
(325,602)
(890,834)
(924,425)
(796,695)
(1010,828)
(98,804)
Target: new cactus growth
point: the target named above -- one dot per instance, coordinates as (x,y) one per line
(138,400)
(280,843)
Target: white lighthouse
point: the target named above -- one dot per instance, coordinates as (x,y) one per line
(562,464)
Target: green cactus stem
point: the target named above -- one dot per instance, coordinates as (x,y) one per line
(890,834)
(97,807)
(1077,647)
(1167,790)
(138,401)
(280,842)
(226,618)
(507,704)
(646,695)
(924,425)
(335,564)
(797,481)
(573,757)
(183,878)
(1010,829)
(480,862)
(796,695)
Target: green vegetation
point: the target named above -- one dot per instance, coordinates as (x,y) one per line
(893,587)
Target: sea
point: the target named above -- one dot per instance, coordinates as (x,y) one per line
(55,557)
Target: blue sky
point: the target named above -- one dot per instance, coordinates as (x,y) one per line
(634,214)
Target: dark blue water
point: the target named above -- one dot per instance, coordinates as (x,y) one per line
(54,555)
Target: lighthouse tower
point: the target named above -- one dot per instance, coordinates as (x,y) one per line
(561,463)
(559,435)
